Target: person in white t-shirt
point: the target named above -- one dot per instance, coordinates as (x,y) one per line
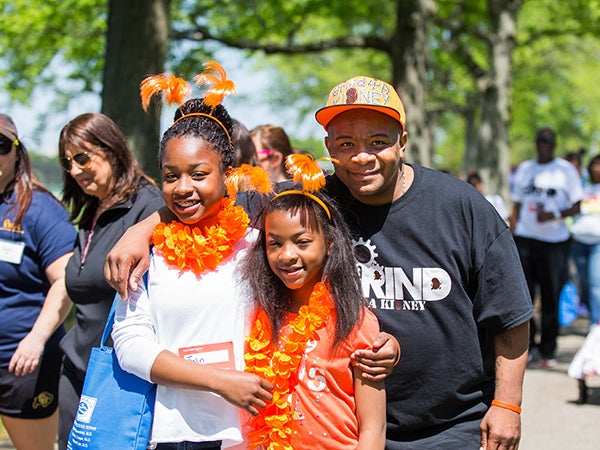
(586,242)
(185,330)
(546,191)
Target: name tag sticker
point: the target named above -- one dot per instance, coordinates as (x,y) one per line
(11,251)
(218,355)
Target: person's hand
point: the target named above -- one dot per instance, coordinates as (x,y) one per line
(545,216)
(500,429)
(27,356)
(245,390)
(378,363)
(127,262)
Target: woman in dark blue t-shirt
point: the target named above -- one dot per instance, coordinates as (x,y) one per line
(36,241)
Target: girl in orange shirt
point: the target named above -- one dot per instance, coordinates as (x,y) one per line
(311,317)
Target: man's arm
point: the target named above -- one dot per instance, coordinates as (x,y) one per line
(501,426)
(378,363)
(514,217)
(129,259)
(546,216)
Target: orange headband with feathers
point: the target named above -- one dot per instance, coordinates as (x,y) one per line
(305,169)
(176,90)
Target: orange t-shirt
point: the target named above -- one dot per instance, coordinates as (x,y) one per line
(325,409)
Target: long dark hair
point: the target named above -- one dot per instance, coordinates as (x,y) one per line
(191,120)
(339,270)
(25,183)
(245,151)
(101,132)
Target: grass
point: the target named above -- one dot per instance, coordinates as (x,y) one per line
(3,433)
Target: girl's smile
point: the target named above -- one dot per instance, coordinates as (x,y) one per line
(193,179)
(295,254)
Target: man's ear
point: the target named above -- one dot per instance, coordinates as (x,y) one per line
(403,139)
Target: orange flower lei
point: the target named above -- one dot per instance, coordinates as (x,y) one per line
(190,248)
(273,426)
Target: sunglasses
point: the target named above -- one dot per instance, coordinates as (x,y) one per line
(265,153)
(6,146)
(82,159)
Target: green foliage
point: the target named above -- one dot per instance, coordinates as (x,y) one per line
(36,34)
(3,432)
(555,70)
(58,45)
(48,171)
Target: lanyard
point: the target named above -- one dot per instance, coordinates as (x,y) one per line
(87,244)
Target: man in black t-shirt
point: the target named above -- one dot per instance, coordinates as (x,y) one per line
(442,274)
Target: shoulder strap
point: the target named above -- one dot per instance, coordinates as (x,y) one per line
(111,314)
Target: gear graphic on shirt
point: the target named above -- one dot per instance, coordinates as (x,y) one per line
(365,254)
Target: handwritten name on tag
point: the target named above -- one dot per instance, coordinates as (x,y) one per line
(219,354)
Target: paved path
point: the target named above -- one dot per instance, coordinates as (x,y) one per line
(551,419)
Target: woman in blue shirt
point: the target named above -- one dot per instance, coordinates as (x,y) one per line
(36,241)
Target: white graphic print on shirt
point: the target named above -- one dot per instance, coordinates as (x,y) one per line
(392,287)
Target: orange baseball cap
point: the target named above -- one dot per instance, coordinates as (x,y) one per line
(362,92)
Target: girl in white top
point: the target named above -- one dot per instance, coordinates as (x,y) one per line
(186,331)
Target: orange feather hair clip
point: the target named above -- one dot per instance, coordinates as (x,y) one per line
(175,89)
(248,178)
(305,169)
(215,75)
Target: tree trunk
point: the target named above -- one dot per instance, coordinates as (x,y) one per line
(410,61)
(493,156)
(471,134)
(136,46)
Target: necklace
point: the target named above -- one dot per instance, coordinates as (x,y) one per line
(403,178)
(273,427)
(192,248)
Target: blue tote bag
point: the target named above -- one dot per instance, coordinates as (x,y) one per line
(116,407)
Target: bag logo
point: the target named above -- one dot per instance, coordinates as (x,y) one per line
(86,408)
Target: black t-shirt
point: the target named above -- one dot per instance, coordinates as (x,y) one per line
(85,283)
(442,274)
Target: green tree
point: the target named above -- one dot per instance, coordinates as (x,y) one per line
(102,47)
(130,24)
(468,71)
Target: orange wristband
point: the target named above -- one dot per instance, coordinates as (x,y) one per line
(508,406)
(398,346)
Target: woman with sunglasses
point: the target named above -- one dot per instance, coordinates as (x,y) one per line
(106,192)
(36,241)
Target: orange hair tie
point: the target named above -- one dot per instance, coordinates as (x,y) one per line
(174,89)
(215,75)
(304,169)
(254,178)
